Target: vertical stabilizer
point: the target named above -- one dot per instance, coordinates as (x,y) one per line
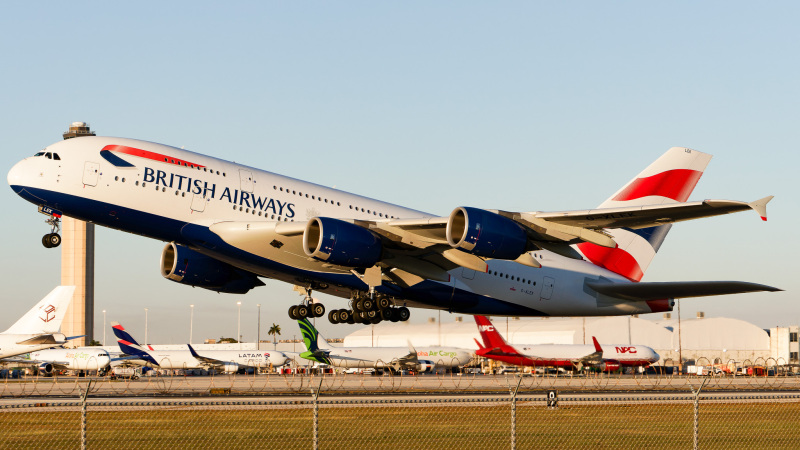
(491,337)
(670,179)
(47,315)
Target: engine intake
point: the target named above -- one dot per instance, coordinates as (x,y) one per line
(185,266)
(342,243)
(485,234)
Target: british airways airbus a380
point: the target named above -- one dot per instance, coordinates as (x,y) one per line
(227,224)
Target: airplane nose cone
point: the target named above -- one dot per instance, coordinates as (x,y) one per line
(15,177)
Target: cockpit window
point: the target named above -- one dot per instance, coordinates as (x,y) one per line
(48,155)
(39,154)
(56,157)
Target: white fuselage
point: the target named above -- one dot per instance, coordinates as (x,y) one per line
(624,353)
(183,359)
(83,358)
(166,199)
(381,357)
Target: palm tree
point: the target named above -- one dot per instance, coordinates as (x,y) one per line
(274,330)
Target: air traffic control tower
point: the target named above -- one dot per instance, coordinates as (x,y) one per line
(77,266)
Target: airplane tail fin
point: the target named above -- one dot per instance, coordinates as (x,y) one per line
(46,316)
(129,346)
(311,337)
(670,179)
(491,337)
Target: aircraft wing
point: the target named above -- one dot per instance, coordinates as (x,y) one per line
(418,249)
(675,289)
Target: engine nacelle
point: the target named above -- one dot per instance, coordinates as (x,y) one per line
(230,367)
(46,369)
(609,365)
(485,233)
(342,243)
(425,366)
(185,266)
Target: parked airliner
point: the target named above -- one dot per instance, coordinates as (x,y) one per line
(40,327)
(227,361)
(226,225)
(423,359)
(570,356)
(81,359)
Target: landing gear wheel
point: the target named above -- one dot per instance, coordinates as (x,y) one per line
(318,310)
(375,320)
(55,239)
(344,315)
(46,241)
(403,313)
(293,312)
(301,311)
(333,316)
(367,304)
(384,303)
(358,305)
(387,314)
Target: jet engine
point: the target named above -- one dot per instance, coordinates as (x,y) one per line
(425,366)
(230,367)
(185,266)
(342,243)
(46,369)
(485,233)
(609,365)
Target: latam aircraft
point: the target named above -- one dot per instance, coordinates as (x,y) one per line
(226,225)
(561,355)
(228,361)
(394,358)
(40,327)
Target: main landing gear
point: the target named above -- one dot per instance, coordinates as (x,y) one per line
(307,308)
(369,311)
(52,239)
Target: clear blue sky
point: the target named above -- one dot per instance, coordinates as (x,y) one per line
(513,105)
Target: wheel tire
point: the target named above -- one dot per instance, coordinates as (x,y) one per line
(333,317)
(363,317)
(403,313)
(376,320)
(318,309)
(302,311)
(46,241)
(342,315)
(372,314)
(368,304)
(351,317)
(387,314)
(55,240)
(293,312)
(358,305)
(384,303)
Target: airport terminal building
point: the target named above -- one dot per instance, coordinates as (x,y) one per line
(717,340)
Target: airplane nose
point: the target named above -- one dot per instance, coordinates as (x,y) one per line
(15,177)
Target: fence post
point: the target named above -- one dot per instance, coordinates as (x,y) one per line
(696,431)
(514,413)
(83,415)
(315,443)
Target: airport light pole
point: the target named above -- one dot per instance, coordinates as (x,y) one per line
(104,327)
(239,326)
(145,326)
(191,322)
(258,333)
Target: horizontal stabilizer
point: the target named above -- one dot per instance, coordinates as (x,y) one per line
(676,289)
(43,339)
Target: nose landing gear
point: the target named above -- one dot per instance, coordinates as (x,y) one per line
(52,239)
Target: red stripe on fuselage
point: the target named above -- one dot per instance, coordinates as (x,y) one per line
(675,184)
(614,259)
(150,155)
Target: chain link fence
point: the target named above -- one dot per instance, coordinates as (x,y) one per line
(517,419)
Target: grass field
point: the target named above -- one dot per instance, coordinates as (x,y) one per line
(410,427)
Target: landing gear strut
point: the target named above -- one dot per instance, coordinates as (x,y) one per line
(52,239)
(307,308)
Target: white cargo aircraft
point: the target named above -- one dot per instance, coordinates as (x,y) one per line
(81,359)
(228,361)
(40,327)
(226,225)
(394,358)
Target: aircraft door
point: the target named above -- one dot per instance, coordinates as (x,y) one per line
(548,284)
(198,202)
(91,172)
(246,178)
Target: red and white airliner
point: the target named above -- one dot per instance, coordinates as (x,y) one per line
(226,225)
(569,356)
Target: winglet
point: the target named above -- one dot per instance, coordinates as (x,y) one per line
(597,347)
(760,206)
